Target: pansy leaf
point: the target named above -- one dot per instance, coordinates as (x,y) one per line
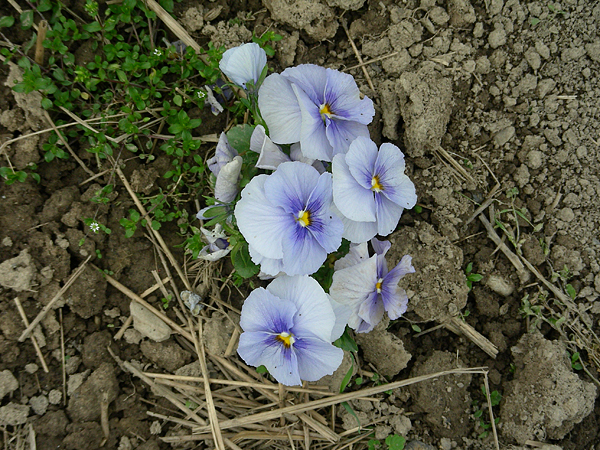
(239,137)
(240,257)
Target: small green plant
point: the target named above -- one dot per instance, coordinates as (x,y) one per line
(472,277)
(392,442)
(165,301)
(484,424)
(575,361)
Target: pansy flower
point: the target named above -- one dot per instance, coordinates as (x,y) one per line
(318,107)
(218,244)
(286,219)
(226,165)
(365,285)
(288,328)
(244,64)
(370,189)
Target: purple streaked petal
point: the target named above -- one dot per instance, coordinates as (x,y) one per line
(313,135)
(361,159)
(371,312)
(264,311)
(395,301)
(403,194)
(341,133)
(316,358)
(302,253)
(262,349)
(326,228)
(224,153)
(388,215)
(314,315)
(291,185)
(350,198)
(312,79)
(227,185)
(268,266)
(380,247)
(343,97)
(271,154)
(261,223)
(244,63)
(353,285)
(397,187)
(280,109)
(357,254)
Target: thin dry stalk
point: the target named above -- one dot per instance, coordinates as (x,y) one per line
(39,43)
(460,169)
(150,290)
(124,327)
(49,306)
(174,26)
(133,296)
(232,342)
(328,401)
(371,61)
(488,201)
(63,358)
(459,326)
(358,57)
(319,428)
(38,350)
(489,402)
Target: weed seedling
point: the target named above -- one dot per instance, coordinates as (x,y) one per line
(472,277)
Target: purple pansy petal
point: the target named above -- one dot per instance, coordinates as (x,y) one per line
(380,247)
(269,266)
(341,133)
(227,184)
(224,153)
(325,227)
(350,198)
(358,253)
(361,159)
(262,349)
(271,154)
(244,63)
(390,169)
(314,313)
(312,79)
(371,312)
(302,253)
(316,358)
(261,223)
(280,109)
(263,311)
(313,134)
(395,301)
(403,194)
(290,186)
(343,97)
(388,215)
(342,315)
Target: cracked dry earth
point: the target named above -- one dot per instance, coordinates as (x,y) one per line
(494,102)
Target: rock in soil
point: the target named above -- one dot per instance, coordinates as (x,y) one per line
(166,355)
(546,398)
(87,295)
(18,273)
(101,387)
(217,332)
(8,383)
(383,349)
(53,423)
(445,400)
(83,436)
(14,414)
(148,324)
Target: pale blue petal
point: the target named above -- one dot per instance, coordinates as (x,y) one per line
(361,159)
(290,186)
(244,63)
(313,135)
(314,313)
(264,311)
(280,109)
(357,254)
(396,185)
(271,154)
(357,232)
(395,302)
(388,215)
(261,223)
(350,198)
(316,358)
(228,181)
(210,254)
(380,247)
(269,266)
(342,315)
(224,153)
(325,226)
(302,253)
(343,97)
(297,155)
(258,349)
(353,285)
(371,312)
(312,79)
(341,133)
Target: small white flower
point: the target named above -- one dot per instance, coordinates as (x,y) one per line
(201,94)
(157,52)
(95,227)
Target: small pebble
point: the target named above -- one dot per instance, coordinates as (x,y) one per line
(39,404)
(31,368)
(54,396)
(500,285)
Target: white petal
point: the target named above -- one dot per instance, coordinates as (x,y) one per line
(280,109)
(244,63)
(342,315)
(354,284)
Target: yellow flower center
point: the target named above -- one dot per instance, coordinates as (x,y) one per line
(286,339)
(303,218)
(378,285)
(375,184)
(325,110)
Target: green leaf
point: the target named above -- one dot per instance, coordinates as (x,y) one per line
(347,377)
(27,19)
(395,442)
(239,137)
(46,103)
(571,291)
(475,277)
(261,369)
(240,257)
(44,5)
(416,327)
(469,268)
(178,100)
(345,342)
(350,411)
(92,27)
(6,21)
